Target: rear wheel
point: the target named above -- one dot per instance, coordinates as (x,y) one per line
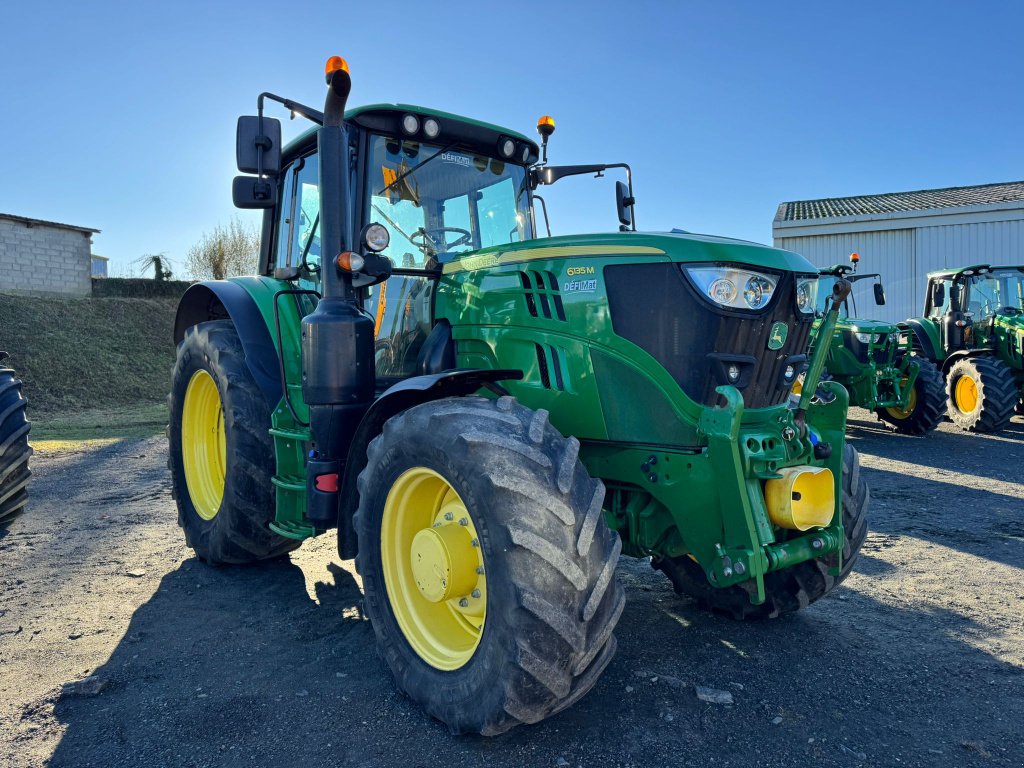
(926,406)
(982,394)
(221,453)
(14,447)
(792,588)
(488,571)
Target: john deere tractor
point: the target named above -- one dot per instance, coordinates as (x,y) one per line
(14,448)
(974,329)
(490,419)
(874,361)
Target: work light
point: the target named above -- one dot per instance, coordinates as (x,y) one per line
(410,124)
(375,237)
(431,128)
(506,147)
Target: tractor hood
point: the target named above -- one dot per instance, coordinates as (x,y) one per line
(857,325)
(673,246)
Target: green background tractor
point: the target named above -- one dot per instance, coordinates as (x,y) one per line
(14,448)
(873,360)
(490,419)
(973,328)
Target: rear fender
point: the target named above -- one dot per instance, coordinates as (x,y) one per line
(222,300)
(401,397)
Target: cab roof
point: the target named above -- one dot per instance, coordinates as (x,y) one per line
(367,111)
(943,273)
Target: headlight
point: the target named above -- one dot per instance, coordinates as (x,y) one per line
(734,288)
(866,338)
(806,294)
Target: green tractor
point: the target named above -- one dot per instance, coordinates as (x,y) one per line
(973,326)
(874,362)
(490,419)
(14,448)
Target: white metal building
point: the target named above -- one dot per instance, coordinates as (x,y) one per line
(904,235)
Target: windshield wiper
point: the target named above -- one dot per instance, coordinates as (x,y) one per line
(414,169)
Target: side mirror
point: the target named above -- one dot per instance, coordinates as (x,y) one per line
(254,192)
(879,294)
(624,204)
(250,144)
(938,295)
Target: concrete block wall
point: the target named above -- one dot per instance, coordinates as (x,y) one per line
(44,259)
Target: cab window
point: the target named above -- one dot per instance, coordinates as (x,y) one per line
(298,226)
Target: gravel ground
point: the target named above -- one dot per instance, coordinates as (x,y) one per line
(917,661)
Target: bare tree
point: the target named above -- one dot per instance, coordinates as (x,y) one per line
(160,264)
(225,252)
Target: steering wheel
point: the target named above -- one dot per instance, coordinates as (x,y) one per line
(426,240)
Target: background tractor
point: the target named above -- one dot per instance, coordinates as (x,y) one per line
(974,329)
(874,361)
(14,447)
(489,419)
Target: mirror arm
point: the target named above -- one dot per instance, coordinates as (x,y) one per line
(313,115)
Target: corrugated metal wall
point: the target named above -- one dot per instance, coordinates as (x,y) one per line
(889,253)
(905,256)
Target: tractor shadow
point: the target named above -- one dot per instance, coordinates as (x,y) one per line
(241,667)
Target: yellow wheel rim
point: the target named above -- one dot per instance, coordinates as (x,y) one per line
(966,394)
(204,447)
(433,568)
(904,413)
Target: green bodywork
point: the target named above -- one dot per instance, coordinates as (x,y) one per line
(688,484)
(996,329)
(682,478)
(884,377)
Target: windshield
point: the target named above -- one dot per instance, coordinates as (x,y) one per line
(437,202)
(824,292)
(996,291)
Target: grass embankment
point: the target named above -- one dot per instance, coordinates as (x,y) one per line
(93,369)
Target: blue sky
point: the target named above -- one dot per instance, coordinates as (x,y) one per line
(120,116)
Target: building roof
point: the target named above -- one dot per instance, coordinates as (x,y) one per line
(897,202)
(43,223)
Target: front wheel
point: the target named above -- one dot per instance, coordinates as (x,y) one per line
(488,572)
(926,406)
(792,588)
(982,394)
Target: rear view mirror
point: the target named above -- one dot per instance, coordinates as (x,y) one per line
(879,294)
(250,143)
(624,204)
(254,192)
(938,295)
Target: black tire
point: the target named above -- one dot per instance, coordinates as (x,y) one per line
(997,394)
(552,597)
(14,448)
(790,589)
(239,531)
(929,405)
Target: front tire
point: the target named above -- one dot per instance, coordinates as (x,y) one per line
(221,453)
(14,448)
(926,407)
(516,621)
(982,394)
(790,589)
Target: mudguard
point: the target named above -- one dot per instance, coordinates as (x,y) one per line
(402,396)
(222,300)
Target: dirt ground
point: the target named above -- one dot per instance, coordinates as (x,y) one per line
(917,661)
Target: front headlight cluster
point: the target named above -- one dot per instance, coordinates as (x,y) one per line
(867,338)
(806,294)
(734,288)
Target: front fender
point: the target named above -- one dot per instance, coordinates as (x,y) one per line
(401,397)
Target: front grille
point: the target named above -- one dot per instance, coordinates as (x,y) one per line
(655,307)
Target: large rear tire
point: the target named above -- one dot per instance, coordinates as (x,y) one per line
(982,394)
(927,405)
(14,448)
(515,622)
(221,453)
(790,589)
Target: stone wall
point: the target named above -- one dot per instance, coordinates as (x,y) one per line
(42,258)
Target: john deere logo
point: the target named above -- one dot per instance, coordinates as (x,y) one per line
(779,333)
